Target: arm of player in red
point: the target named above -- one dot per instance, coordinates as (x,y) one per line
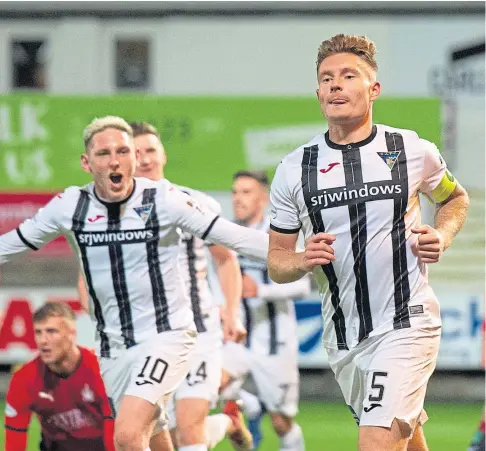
(17,414)
(108,413)
(109,433)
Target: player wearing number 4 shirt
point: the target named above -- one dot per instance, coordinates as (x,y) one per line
(125,232)
(271,349)
(188,408)
(354,192)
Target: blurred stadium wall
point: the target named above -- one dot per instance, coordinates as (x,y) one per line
(231,85)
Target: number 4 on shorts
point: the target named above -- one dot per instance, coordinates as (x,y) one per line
(200,375)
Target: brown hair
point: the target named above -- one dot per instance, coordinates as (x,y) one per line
(143,128)
(54,309)
(259,176)
(341,43)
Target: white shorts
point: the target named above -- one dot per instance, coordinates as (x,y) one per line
(385,377)
(276,376)
(151,370)
(204,377)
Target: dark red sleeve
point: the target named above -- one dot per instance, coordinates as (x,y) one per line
(17,412)
(108,415)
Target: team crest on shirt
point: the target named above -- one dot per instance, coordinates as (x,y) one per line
(144,211)
(389,157)
(87,394)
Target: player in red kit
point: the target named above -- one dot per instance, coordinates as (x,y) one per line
(63,387)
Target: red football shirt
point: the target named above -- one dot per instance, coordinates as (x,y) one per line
(74,411)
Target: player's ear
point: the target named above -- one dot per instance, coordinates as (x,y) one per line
(73,331)
(164,157)
(85,162)
(137,156)
(375,90)
(265,197)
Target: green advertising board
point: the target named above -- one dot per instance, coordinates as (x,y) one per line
(207,139)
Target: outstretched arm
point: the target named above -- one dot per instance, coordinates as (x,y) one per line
(33,233)
(286,265)
(195,219)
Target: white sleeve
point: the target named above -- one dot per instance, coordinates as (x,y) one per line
(284,212)
(437,182)
(284,291)
(434,166)
(205,201)
(33,233)
(199,221)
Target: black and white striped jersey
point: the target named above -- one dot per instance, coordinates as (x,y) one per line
(269,318)
(129,253)
(195,264)
(366,194)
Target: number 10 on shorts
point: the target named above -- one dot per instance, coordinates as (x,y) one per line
(153,371)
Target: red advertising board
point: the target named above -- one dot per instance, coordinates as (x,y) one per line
(16,207)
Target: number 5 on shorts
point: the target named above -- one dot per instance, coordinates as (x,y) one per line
(376,386)
(157,373)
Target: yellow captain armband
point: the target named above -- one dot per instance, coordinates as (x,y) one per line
(445,187)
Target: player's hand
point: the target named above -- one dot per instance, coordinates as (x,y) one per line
(250,288)
(430,244)
(233,329)
(318,251)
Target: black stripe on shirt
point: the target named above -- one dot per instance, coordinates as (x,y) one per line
(309,187)
(272,318)
(119,278)
(248,321)
(206,233)
(353,175)
(79,219)
(194,289)
(248,317)
(159,297)
(22,238)
(401,320)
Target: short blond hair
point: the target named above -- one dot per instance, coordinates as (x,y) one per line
(344,43)
(99,124)
(54,309)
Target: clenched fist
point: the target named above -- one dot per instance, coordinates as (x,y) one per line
(318,251)
(430,244)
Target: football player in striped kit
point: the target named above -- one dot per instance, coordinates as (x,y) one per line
(354,193)
(189,406)
(125,233)
(271,349)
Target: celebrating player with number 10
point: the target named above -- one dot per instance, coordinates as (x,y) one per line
(124,233)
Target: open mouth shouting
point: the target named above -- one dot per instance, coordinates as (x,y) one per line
(116,178)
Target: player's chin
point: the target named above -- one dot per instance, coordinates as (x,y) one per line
(47,358)
(117,190)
